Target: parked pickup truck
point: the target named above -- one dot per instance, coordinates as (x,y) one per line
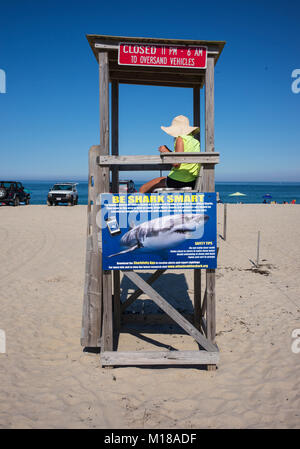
(64,192)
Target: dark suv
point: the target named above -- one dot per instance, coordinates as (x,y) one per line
(12,192)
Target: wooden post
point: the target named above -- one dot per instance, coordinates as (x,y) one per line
(209,105)
(107,327)
(196,109)
(115,132)
(115,189)
(209,186)
(225,222)
(197,273)
(258,245)
(92,301)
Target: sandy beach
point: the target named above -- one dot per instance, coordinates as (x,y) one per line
(47,381)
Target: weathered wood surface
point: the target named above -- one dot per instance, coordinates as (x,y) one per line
(189,79)
(209,186)
(213,51)
(107,327)
(103,187)
(113,358)
(92,300)
(211,304)
(225,222)
(153,318)
(115,189)
(209,106)
(160,83)
(139,292)
(117,300)
(115,132)
(197,299)
(196,110)
(171,311)
(164,158)
(104,101)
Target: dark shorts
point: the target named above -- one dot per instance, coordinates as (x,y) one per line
(178,184)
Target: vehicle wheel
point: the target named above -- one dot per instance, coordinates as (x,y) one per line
(16,201)
(54,203)
(71,203)
(27,201)
(2,193)
(49,203)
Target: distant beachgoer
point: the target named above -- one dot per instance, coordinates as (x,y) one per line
(181,175)
(293,202)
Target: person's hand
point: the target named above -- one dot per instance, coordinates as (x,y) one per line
(164,149)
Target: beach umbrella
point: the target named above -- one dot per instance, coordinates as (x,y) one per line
(237,194)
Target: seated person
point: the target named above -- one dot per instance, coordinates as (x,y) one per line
(181,175)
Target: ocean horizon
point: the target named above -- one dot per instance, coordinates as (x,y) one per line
(253,191)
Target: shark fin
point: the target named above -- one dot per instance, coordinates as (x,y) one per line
(125,250)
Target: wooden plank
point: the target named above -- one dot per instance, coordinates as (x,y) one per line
(117,301)
(123,358)
(160,83)
(208,178)
(225,222)
(104,101)
(115,132)
(138,167)
(197,299)
(196,109)
(196,112)
(139,292)
(107,328)
(165,158)
(209,186)
(209,106)
(204,303)
(115,48)
(203,325)
(211,305)
(103,187)
(154,167)
(171,311)
(92,301)
(140,75)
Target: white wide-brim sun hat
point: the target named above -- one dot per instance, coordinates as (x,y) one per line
(180,127)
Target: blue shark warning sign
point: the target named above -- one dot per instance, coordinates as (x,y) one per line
(158,231)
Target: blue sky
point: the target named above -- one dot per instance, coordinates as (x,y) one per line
(49,116)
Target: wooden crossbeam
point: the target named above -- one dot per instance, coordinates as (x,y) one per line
(165,158)
(171,311)
(139,292)
(126,358)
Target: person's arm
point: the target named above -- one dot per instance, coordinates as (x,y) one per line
(179,148)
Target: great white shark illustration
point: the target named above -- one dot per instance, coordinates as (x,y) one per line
(163,233)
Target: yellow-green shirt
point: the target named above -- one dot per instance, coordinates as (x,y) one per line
(187,172)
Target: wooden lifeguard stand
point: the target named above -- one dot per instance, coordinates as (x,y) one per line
(102,308)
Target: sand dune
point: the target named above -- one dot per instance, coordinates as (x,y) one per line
(47,381)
